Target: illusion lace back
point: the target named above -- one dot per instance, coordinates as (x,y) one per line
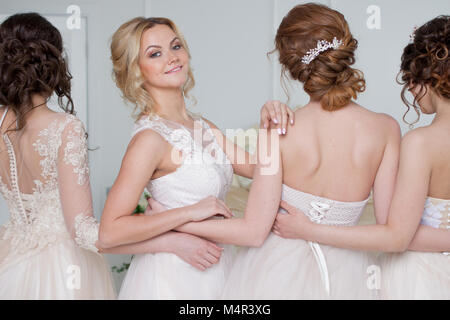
(204,170)
(45,182)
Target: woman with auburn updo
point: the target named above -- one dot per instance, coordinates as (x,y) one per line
(48,248)
(419,217)
(330,160)
(187,175)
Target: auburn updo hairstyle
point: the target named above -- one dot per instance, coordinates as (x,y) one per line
(32,62)
(125,46)
(329,78)
(426,62)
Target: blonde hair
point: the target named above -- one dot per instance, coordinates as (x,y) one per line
(125,47)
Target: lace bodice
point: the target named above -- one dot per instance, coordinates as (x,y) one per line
(60,204)
(436,213)
(204,169)
(324,211)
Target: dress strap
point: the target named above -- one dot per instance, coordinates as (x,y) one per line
(4,116)
(177,135)
(317,213)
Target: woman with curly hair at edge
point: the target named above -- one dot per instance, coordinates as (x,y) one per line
(419,216)
(48,246)
(329,161)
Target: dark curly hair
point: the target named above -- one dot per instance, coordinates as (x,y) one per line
(329,77)
(426,62)
(32,62)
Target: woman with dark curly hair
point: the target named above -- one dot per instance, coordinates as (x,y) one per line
(419,216)
(329,161)
(48,246)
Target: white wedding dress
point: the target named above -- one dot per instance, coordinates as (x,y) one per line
(419,275)
(204,171)
(47,247)
(298,269)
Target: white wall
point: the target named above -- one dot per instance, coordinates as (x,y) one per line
(229,40)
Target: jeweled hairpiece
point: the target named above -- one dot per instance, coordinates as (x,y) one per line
(322,45)
(412,36)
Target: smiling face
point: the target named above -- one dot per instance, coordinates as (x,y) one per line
(163,60)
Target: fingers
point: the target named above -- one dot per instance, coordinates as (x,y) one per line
(210,258)
(276,229)
(265,118)
(215,250)
(198,266)
(284,118)
(270,113)
(279,113)
(286,206)
(291,115)
(225,207)
(205,263)
(279,116)
(273,115)
(223,212)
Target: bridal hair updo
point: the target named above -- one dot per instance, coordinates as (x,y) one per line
(32,62)
(125,47)
(329,78)
(426,62)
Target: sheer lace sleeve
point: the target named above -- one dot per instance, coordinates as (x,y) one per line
(74,186)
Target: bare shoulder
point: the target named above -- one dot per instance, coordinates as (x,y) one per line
(416,139)
(381,122)
(148,143)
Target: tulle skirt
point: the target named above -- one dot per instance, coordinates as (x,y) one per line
(166,276)
(287,269)
(59,271)
(415,275)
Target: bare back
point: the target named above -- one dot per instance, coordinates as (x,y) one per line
(437,148)
(334,154)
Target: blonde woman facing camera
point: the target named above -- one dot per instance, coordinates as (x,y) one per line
(189,176)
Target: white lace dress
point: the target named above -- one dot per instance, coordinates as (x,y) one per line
(298,269)
(204,171)
(47,247)
(419,275)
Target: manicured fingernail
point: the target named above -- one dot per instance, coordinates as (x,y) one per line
(284,130)
(292,121)
(265,126)
(279,131)
(275,121)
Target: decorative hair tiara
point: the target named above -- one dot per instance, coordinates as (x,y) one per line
(322,45)
(412,36)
